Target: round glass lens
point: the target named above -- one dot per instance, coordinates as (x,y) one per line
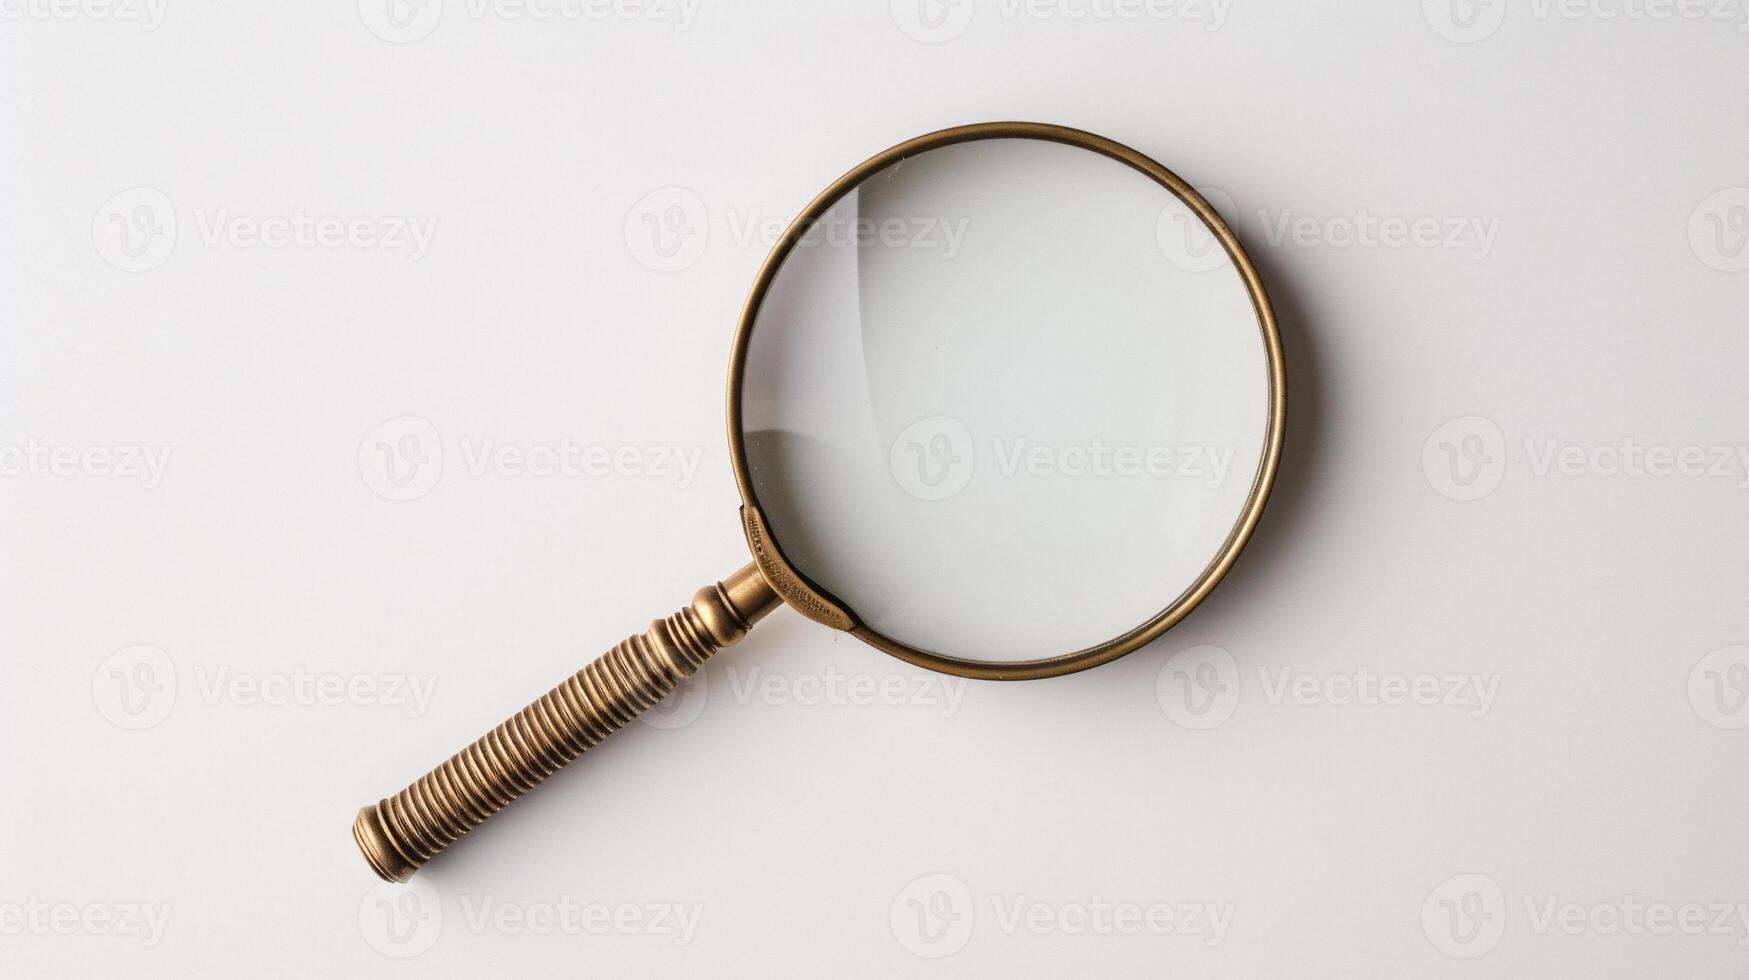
(1006,400)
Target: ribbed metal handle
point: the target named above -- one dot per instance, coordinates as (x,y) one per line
(401,833)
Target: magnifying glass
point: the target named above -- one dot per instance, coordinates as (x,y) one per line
(1005,401)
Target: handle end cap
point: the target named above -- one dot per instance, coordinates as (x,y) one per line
(378,850)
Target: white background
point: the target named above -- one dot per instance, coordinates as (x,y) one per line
(1608,767)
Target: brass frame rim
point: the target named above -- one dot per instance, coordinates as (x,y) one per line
(807,597)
